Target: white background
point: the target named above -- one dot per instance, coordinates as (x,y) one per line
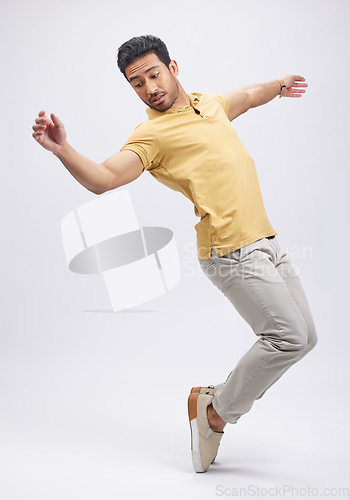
(94,403)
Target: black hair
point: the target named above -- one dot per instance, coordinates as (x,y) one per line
(139,46)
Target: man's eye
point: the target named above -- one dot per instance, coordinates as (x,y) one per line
(155,76)
(138,84)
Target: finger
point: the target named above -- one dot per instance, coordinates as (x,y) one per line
(38,127)
(294,93)
(295,84)
(44,120)
(56,121)
(37,136)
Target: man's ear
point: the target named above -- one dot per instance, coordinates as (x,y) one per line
(173,67)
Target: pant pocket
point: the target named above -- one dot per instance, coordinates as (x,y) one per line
(208,265)
(204,264)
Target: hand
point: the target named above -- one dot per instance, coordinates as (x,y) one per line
(50,134)
(294,84)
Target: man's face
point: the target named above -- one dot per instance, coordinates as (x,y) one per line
(153,82)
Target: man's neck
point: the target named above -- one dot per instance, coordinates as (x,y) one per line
(182,99)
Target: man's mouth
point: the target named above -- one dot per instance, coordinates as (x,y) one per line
(158,99)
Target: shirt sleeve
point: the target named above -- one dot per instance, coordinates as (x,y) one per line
(144,143)
(224,101)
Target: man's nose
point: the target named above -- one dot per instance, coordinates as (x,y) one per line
(151,88)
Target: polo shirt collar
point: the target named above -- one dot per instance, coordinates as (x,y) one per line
(153,113)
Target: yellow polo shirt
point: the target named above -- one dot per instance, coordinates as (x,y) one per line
(196,150)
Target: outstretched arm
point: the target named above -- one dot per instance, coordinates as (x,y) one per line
(257,94)
(118,170)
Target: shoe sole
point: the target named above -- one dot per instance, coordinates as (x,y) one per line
(195,434)
(192,415)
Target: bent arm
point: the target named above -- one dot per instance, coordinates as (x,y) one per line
(120,169)
(257,94)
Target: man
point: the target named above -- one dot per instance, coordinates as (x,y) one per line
(189,145)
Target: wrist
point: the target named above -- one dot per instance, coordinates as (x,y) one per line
(61,149)
(283,87)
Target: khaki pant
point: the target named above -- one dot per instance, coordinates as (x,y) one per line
(263,286)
